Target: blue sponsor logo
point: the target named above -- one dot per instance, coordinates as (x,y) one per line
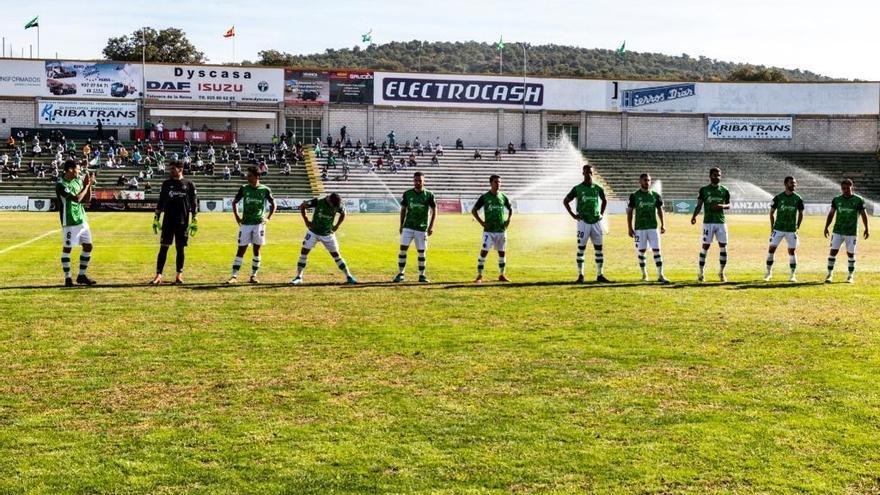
(634,98)
(46,112)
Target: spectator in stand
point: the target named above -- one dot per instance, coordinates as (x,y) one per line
(233,145)
(435,160)
(133,184)
(121,180)
(342,131)
(228,125)
(438,150)
(331,160)
(224,155)
(87,150)
(497,154)
(10,142)
(185,127)
(205,127)
(412,161)
(348,143)
(148,126)
(511,149)
(136,158)
(477,154)
(100,128)
(123,154)
(209,168)
(459,144)
(285,170)
(274,140)
(390,137)
(264,169)
(236,169)
(211,153)
(37,150)
(160,130)
(318,151)
(148,188)
(329,141)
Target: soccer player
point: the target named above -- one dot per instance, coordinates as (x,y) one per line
(252,224)
(591,205)
(848,207)
(646,205)
(72,193)
(785,225)
(716,199)
(417,213)
(178,201)
(321,228)
(494,203)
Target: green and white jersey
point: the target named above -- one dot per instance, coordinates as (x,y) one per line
(787,208)
(72,212)
(254,200)
(417,206)
(494,211)
(644,205)
(589,201)
(713,195)
(324,215)
(848,209)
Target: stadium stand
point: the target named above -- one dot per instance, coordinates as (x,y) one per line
(209,186)
(749,176)
(538,174)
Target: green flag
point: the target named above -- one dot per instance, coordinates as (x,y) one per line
(500,44)
(622,49)
(367,37)
(35,22)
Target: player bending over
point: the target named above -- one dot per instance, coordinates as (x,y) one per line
(495,223)
(321,228)
(848,207)
(252,224)
(646,205)
(591,205)
(178,201)
(72,193)
(786,215)
(417,213)
(716,198)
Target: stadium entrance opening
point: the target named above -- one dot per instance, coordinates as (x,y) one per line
(555,132)
(307,130)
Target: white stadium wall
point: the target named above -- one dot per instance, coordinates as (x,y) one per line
(16,113)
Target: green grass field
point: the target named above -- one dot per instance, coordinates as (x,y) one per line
(539,386)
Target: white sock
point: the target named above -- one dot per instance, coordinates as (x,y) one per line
(401,261)
(236,265)
(301,265)
(255,265)
(502,264)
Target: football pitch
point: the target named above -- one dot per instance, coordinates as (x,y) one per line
(537,386)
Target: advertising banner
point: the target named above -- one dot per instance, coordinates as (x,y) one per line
(210,205)
(13,203)
(40,205)
(750,127)
(215,84)
(92,79)
(351,87)
(87,113)
(378,205)
(449,206)
(683,206)
(466,91)
(22,77)
(303,87)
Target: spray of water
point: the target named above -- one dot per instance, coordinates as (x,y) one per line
(560,168)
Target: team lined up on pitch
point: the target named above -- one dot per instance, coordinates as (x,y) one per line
(176,221)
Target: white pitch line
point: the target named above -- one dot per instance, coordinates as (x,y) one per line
(25,243)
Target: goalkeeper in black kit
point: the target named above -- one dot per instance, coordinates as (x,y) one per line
(177,200)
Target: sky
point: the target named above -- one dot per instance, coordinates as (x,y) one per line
(835,39)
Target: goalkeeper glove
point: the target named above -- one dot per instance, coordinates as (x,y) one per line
(193,227)
(156,225)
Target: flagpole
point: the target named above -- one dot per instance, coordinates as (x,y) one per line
(233,48)
(501,63)
(38,40)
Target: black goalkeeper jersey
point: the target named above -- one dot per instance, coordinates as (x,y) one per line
(178,201)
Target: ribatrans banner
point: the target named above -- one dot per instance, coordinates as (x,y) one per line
(92,79)
(87,113)
(750,127)
(215,84)
(303,87)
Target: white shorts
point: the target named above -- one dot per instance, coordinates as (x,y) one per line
(591,231)
(791,239)
(252,234)
(644,238)
(76,235)
(410,235)
(329,241)
(837,240)
(716,230)
(495,240)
